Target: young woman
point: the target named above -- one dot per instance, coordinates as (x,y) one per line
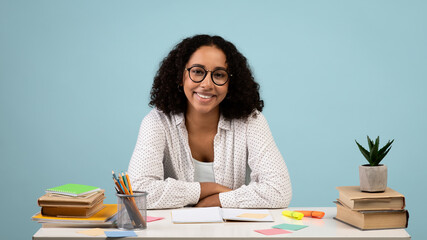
(206,143)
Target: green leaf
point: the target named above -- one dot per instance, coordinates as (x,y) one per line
(370,143)
(383,155)
(374,152)
(364,152)
(383,149)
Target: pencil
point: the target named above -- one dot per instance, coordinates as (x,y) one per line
(114,175)
(123,185)
(130,187)
(125,181)
(118,186)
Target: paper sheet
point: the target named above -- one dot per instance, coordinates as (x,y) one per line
(197,215)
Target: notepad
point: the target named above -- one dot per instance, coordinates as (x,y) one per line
(217,215)
(73,189)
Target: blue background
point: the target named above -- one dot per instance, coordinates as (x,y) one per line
(75,78)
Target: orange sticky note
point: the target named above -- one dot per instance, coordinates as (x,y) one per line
(253,215)
(93,232)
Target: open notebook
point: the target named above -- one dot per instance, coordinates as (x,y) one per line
(217,214)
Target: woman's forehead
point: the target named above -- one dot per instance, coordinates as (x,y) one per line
(208,56)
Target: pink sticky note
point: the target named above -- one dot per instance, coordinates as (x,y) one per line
(152,219)
(272,231)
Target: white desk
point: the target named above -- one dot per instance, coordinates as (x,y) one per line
(325,228)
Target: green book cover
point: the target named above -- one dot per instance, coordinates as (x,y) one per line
(72,189)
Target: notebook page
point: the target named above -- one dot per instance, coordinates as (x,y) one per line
(197,215)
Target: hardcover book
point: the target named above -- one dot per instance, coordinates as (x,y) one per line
(55,200)
(353,198)
(364,220)
(72,211)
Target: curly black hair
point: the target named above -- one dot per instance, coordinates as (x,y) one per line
(243,92)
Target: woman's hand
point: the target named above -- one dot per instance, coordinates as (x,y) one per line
(211,188)
(211,201)
(209,194)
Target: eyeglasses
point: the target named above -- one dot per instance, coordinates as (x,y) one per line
(198,74)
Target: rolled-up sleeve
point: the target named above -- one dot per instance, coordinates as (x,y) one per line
(270,185)
(146,169)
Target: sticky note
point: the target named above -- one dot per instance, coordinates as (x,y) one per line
(292,227)
(272,231)
(120,233)
(152,219)
(253,215)
(93,232)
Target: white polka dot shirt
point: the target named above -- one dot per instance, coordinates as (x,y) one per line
(162,164)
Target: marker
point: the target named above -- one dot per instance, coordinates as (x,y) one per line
(313,214)
(292,214)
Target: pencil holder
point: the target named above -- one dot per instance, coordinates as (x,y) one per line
(132,211)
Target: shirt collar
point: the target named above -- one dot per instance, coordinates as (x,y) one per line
(179,118)
(222,124)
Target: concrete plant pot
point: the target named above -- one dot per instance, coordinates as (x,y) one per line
(373,178)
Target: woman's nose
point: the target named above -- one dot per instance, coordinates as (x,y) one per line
(207,82)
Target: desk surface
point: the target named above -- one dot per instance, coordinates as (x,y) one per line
(326,228)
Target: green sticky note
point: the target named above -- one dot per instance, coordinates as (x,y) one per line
(292,227)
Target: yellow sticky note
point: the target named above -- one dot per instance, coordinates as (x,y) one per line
(253,215)
(92,232)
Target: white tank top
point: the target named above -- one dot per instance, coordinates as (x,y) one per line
(203,171)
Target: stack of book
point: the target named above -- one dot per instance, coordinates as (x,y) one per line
(371,210)
(72,204)
(72,200)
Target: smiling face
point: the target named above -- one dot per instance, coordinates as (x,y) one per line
(205,96)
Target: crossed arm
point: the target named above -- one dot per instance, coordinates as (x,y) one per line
(209,194)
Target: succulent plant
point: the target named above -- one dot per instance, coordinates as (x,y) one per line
(374,156)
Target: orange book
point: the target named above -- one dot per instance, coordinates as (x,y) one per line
(109,211)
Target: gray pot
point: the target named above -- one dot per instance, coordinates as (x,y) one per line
(373,178)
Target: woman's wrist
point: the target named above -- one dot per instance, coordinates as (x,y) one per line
(210,201)
(210,188)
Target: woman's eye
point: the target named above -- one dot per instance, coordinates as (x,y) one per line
(199,72)
(219,75)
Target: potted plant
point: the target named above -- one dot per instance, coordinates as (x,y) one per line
(373,176)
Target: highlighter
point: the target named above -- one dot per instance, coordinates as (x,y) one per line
(313,214)
(292,214)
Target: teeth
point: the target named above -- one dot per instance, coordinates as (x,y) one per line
(204,96)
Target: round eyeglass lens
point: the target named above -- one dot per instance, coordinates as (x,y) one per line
(197,74)
(220,76)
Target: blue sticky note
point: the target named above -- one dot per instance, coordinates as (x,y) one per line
(120,233)
(292,227)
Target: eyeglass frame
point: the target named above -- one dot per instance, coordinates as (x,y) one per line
(206,73)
